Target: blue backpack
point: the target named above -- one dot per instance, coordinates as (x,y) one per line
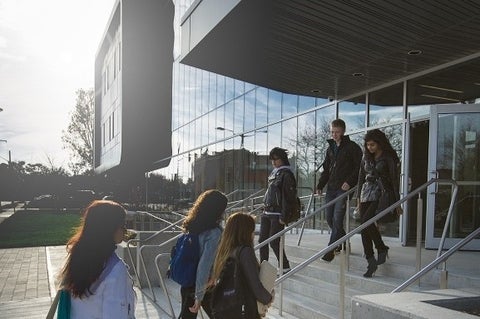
(184,259)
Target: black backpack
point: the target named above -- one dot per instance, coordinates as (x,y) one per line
(295,213)
(231,298)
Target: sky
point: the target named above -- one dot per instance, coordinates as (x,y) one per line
(47,52)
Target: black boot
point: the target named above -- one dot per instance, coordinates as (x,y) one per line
(382,255)
(328,257)
(371,268)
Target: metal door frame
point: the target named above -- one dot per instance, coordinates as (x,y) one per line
(432,242)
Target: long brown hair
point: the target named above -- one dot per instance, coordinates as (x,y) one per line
(238,232)
(383,142)
(206,212)
(91,246)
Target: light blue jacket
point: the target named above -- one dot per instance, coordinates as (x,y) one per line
(208,241)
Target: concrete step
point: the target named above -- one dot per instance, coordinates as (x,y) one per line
(175,297)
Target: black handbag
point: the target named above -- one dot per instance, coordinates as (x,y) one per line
(387,198)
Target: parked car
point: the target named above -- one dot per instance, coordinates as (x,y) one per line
(79,198)
(43,201)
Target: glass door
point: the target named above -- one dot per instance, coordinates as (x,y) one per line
(454,153)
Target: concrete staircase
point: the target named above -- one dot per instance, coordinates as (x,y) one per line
(314,291)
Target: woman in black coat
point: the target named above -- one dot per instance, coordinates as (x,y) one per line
(378,173)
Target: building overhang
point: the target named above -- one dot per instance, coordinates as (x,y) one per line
(330,48)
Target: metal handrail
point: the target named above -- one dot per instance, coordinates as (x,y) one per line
(364,225)
(324,206)
(162,282)
(438,260)
(242,201)
(156,217)
(143,260)
(301,220)
(145,240)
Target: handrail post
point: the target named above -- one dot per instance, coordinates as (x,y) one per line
(322,216)
(341,302)
(347,226)
(162,282)
(419,234)
(444,276)
(280,256)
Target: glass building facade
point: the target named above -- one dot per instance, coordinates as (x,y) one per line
(223,129)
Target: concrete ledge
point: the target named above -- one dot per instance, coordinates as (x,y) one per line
(410,305)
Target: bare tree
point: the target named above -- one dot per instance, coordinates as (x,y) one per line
(78,137)
(311,145)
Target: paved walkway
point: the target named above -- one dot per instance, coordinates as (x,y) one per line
(27,281)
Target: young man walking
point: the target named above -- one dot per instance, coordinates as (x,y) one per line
(340,173)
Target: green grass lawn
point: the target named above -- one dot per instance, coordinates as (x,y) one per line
(37,228)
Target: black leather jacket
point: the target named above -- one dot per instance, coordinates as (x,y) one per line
(281,194)
(384,169)
(341,167)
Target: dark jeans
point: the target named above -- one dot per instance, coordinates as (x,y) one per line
(370,235)
(188,299)
(269,226)
(335,215)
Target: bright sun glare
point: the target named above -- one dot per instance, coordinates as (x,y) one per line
(47,52)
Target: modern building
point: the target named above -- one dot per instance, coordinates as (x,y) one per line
(252,75)
(133,89)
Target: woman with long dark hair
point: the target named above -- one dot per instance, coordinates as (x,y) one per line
(203,219)
(97,280)
(378,173)
(237,242)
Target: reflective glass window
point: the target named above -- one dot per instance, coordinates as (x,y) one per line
(220,90)
(249,120)
(353,113)
(274,106)
(306,145)
(229,89)
(239,114)
(289,105)
(324,117)
(305,103)
(212,89)
(261,118)
(386,105)
(239,87)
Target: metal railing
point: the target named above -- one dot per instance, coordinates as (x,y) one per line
(171,227)
(442,258)
(343,239)
(241,203)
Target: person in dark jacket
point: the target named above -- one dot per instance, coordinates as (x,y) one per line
(340,173)
(378,171)
(280,199)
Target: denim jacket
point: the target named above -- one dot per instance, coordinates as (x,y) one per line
(208,241)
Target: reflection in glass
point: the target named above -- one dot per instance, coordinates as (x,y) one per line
(305,103)
(239,114)
(274,136)
(386,105)
(220,90)
(353,113)
(458,158)
(306,145)
(289,105)
(261,112)
(212,91)
(249,120)
(274,106)
(229,89)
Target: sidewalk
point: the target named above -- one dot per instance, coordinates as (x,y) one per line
(27,278)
